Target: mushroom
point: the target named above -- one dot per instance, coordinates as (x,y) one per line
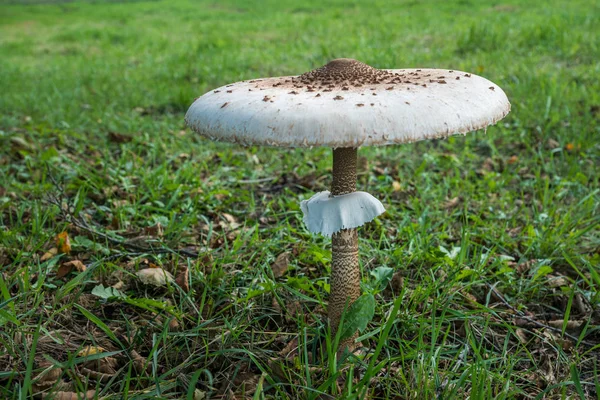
(344,105)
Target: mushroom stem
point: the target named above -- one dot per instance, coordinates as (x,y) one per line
(345,271)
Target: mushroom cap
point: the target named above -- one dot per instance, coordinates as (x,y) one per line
(348,104)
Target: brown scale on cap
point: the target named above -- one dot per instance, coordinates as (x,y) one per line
(344,73)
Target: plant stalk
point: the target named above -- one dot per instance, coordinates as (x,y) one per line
(345,271)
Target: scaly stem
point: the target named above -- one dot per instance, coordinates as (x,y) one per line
(345,271)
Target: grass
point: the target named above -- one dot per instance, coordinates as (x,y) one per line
(493,239)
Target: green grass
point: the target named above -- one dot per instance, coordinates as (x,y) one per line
(492,237)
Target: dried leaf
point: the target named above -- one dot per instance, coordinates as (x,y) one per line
(49,254)
(290,350)
(48,377)
(106,365)
(293,310)
(397,282)
(514,232)
(116,137)
(521,335)
(230,222)
(557,281)
(275,305)
(246,383)
(63,243)
(182,279)
(451,204)
(90,350)
(565,344)
(281,264)
(90,394)
(546,371)
(66,268)
(174,324)
(524,323)
(471,300)
(488,165)
(552,144)
(101,369)
(523,268)
(154,276)
(119,285)
(582,304)
(96,375)
(571,325)
(513,160)
(154,230)
(140,364)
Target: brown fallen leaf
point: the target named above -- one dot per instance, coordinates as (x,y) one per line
(90,394)
(397,282)
(245,383)
(117,137)
(63,243)
(471,300)
(49,254)
(582,304)
(48,377)
(119,285)
(66,268)
(293,310)
(281,264)
(521,335)
(524,267)
(96,375)
(290,350)
(182,279)
(101,369)
(571,325)
(140,364)
(488,165)
(552,144)
(154,230)
(154,276)
(514,232)
(230,222)
(557,281)
(451,204)
(174,324)
(275,305)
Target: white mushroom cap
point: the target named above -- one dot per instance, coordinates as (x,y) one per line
(326,214)
(348,104)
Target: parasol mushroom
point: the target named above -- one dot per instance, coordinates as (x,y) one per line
(344,105)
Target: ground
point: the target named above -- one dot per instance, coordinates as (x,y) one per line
(484,268)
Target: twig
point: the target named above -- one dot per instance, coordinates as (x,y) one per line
(67,215)
(534,321)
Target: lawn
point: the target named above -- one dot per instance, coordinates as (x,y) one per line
(485,267)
